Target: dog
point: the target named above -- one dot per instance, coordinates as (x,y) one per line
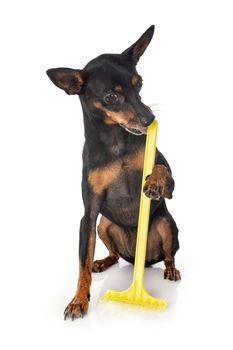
(115,124)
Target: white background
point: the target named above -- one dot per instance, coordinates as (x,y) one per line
(187,72)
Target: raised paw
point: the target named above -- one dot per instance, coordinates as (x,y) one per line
(159,184)
(172,274)
(152,191)
(77,308)
(103,264)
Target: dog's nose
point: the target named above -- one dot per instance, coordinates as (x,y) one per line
(146,120)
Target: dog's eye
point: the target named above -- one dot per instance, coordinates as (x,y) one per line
(110,98)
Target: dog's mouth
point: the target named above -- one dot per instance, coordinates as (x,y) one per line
(134,131)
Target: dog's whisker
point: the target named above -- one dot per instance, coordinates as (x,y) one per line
(154,104)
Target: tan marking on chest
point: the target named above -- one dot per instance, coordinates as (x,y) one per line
(135,161)
(100,178)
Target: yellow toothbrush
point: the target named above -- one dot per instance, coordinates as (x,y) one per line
(136,293)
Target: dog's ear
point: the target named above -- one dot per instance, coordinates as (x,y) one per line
(137,49)
(70,80)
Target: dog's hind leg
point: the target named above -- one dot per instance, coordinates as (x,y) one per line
(104,229)
(163,242)
(168,232)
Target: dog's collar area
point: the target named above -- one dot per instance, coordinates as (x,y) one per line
(136,132)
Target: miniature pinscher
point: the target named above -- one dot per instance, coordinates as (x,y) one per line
(115,124)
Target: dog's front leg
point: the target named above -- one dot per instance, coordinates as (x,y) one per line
(160,184)
(79,304)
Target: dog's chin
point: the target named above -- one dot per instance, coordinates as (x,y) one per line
(134,131)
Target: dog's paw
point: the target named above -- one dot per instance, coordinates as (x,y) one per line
(152,190)
(103,264)
(172,274)
(159,184)
(77,308)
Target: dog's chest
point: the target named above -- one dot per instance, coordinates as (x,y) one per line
(122,192)
(120,170)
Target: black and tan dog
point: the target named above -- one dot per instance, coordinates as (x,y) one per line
(115,121)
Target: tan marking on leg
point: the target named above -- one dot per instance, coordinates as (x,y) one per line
(102,229)
(153,250)
(103,232)
(164,229)
(79,304)
(121,243)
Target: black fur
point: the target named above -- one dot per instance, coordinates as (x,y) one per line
(106,143)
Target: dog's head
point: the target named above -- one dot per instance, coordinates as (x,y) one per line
(109,87)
